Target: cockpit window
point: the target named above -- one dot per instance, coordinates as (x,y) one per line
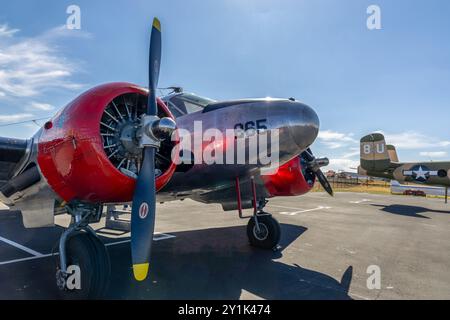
(194,99)
(186,103)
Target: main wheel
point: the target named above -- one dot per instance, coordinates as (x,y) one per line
(267,236)
(88,253)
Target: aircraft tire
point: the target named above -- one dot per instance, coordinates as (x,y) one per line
(89,253)
(269,235)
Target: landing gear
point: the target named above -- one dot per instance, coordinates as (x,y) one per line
(84,266)
(264,232)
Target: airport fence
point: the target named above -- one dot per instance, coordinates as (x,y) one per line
(356,185)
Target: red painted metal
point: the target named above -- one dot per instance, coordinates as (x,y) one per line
(254,200)
(288,181)
(71,155)
(238,194)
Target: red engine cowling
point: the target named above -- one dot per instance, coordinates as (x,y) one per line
(291,179)
(73,151)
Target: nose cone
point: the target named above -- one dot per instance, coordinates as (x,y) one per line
(303,124)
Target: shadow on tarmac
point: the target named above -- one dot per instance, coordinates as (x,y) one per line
(216,263)
(409,211)
(219,264)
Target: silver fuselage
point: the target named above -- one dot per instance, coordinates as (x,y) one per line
(297,125)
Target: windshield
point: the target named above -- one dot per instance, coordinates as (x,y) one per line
(186,103)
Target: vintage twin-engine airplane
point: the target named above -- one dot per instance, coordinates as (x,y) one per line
(112,145)
(381,160)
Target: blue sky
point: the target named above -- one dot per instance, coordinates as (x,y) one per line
(395,80)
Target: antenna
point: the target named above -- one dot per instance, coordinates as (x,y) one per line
(23,122)
(175,89)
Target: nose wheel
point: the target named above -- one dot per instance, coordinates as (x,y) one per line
(89,255)
(264,232)
(84,266)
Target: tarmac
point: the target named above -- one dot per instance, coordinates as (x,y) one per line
(330,248)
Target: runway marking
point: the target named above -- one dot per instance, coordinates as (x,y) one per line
(360,201)
(158,236)
(21,247)
(26,259)
(303,211)
(284,207)
(359,296)
(162,236)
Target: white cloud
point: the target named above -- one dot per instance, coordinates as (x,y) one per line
(30,66)
(342,164)
(352,153)
(5,31)
(333,135)
(434,154)
(15,117)
(335,140)
(40,106)
(410,140)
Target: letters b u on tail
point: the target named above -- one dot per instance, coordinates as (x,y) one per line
(374,154)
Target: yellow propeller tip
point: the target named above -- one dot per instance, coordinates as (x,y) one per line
(140,271)
(157,24)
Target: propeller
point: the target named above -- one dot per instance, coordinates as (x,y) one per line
(152,131)
(314,164)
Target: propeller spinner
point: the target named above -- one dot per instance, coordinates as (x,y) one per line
(153,130)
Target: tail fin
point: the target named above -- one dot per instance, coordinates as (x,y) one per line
(374,153)
(392,153)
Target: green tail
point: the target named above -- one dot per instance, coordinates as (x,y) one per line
(375,155)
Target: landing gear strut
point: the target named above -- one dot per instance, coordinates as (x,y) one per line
(263,230)
(84,266)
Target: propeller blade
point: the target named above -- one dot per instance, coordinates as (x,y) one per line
(144,207)
(143,216)
(324,182)
(308,155)
(154,66)
(315,167)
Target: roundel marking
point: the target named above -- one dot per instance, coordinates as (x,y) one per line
(143,210)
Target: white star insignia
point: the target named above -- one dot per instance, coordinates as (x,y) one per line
(421,174)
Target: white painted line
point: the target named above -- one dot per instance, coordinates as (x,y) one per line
(2,263)
(303,211)
(21,247)
(359,296)
(157,237)
(284,207)
(360,201)
(117,243)
(316,195)
(161,236)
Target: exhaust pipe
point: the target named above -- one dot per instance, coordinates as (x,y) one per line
(21,182)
